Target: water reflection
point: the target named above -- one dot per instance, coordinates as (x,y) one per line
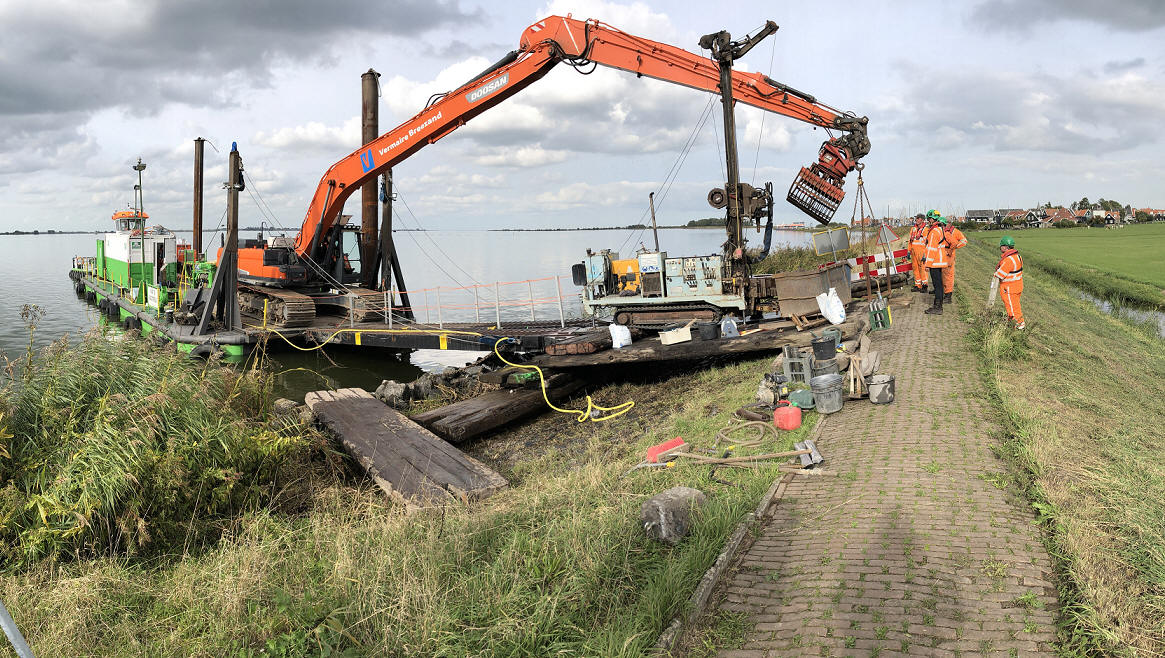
(1138,316)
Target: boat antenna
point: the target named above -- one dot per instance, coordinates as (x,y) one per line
(138,197)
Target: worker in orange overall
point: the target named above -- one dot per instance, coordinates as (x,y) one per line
(1010,275)
(936,260)
(955,240)
(917,249)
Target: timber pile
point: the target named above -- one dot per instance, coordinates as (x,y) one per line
(407,461)
(587,343)
(467,419)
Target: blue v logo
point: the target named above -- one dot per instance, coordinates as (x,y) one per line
(366,161)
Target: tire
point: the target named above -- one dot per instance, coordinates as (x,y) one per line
(79,288)
(101,305)
(204,351)
(90,297)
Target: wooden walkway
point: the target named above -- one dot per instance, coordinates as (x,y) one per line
(407,461)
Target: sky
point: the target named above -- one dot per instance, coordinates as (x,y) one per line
(971,104)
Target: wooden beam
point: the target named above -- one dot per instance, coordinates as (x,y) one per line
(408,462)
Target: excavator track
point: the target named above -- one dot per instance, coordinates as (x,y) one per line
(284,308)
(665,315)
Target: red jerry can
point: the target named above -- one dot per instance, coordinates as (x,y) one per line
(787,418)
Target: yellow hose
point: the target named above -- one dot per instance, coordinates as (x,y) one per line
(583,415)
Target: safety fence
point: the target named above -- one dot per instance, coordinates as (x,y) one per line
(546,300)
(898,263)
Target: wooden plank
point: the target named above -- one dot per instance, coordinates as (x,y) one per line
(587,343)
(407,461)
(650,350)
(476,416)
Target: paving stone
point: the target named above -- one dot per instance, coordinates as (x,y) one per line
(909,551)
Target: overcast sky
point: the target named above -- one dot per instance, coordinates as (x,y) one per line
(998,103)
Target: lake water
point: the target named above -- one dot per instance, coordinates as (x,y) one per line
(34,271)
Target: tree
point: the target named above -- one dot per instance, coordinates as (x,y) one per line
(1143,216)
(1082,204)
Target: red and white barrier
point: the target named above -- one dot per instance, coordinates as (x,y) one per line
(857,272)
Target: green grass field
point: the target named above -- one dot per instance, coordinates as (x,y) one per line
(1134,252)
(1126,265)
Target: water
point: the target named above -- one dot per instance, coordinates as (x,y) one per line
(1139,316)
(35,266)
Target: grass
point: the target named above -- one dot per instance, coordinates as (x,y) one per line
(1081,396)
(1131,252)
(557,564)
(121,448)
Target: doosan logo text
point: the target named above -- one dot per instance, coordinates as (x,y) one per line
(493,85)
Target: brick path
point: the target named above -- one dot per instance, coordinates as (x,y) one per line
(912,549)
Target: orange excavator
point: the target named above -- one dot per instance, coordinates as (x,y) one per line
(286,278)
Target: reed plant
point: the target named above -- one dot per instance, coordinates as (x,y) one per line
(122,447)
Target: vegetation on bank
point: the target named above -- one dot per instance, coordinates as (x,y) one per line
(115,447)
(171,529)
(1081,396)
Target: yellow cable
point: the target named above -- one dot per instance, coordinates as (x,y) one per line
(590,413)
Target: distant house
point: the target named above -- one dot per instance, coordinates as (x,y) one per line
(1056,214)
(981,216)
(1016,215)
(1158,214)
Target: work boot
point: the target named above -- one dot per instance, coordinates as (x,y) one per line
(947,297)
(934,310)
(923,290)
(916,288)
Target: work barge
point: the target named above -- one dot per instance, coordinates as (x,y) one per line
(306,290)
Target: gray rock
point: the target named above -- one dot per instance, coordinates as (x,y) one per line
(306,416)
(392,393)
(423,386)
(668,515)
(283,407)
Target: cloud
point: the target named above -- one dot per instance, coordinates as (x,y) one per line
(62,56)
(1121,67)
(313,136)
(1024,15)
(1009,111)
(522,156)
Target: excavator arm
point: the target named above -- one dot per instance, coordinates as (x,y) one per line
(817,189)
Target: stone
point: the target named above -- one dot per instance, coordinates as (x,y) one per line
(668,515)
(423,386)
(392,393)
(284,407)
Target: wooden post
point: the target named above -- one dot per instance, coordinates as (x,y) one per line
(497,306)
(531,286)
(369,123)
(440,320)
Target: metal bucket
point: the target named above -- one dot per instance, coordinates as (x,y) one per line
(881,388)
(827,393)
(824,348)
(826,367)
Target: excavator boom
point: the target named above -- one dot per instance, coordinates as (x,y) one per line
(817,190)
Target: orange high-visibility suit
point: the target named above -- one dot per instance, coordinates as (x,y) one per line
(1010,275)
(936,262)
(955,240)
(936,248)
(917,247)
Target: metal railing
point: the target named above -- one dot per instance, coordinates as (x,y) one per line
(498,303)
